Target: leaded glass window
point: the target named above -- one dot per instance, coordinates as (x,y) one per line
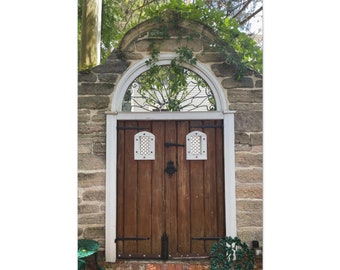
(164,90)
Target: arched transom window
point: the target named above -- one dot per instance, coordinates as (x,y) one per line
(167,90)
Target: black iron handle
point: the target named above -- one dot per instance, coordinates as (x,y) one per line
(168,144)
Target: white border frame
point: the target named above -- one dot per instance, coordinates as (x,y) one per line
(137,143)
(203,146)
(222,112)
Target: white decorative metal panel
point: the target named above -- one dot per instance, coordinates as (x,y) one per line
(144,146)
(196,145)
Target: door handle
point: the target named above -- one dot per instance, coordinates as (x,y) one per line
(170,168)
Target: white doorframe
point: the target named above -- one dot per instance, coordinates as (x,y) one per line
(111,143)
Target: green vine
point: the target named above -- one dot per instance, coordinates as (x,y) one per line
(170,83)
(234,46)
(166,87)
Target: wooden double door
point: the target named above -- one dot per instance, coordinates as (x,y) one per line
(169,206)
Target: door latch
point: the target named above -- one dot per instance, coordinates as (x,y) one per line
(170,168)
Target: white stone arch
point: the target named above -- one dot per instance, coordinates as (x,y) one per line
(164,59)
(222,112)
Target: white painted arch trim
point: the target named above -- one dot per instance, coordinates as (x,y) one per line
(164,59)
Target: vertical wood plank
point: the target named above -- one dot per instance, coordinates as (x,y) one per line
(183,191)
(144,200)
(157,183)
(130,190)
(197,200)
(210,207)
(171,186)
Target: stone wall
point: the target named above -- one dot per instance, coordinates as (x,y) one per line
(96,89)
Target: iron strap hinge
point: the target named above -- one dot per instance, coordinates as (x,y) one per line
(131,238)
(133,128)
(208,126)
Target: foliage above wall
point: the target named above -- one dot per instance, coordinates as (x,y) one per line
(235,46)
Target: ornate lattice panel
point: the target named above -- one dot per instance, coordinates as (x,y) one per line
(144,146)
(196,145)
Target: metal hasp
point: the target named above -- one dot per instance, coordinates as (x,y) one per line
(170,168)
(168,144)
(164,247)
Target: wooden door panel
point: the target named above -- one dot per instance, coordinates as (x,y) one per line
(189,204)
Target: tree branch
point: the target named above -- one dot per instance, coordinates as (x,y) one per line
(251,16)
(242,9)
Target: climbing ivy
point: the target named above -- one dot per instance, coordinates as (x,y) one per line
(231,253)
(234,46)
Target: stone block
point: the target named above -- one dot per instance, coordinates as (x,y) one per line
(257,149)
(99,117)
(91,128)
(244,96)
(99,148)
(259,84)
(254,191)
(223,70)
(95,89)
(196,45)
(256,138)
(244,82)
(84,115)
(249,175)
(144,45)
(100,138)
(91,179)
(94,195)
(112,66)
(210,57)
(248,121)
(242,138)
(133,56)
(249,205)
(93,102)
(91,219)
(94,232)
(107,77)
(246,106)
(88,208)
(85,148)
(247,159)
(242,148)
(249,219)
(86,77)
(90,162)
